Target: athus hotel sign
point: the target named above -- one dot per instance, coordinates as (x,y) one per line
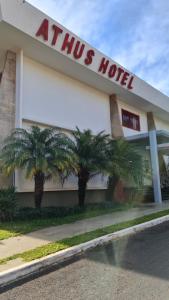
(72,46)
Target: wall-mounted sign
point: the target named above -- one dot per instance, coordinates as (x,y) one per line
(74,47)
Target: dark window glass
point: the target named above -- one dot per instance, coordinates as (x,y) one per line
(130,120)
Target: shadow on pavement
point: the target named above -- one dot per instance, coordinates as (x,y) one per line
(146,252)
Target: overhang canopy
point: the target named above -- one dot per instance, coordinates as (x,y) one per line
(143,138)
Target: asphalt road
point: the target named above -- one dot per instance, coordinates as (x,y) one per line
(132,268)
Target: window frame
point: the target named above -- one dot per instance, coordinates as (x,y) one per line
(130,115)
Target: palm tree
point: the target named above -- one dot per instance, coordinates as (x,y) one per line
(124,162)
(41,153)
(88,158)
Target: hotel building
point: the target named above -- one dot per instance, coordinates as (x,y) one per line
(51,77)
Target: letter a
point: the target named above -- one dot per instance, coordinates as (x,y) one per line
(44,30)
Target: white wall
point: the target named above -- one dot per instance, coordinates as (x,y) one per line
(25,185)
(52,98)
(161,125)
(142,115)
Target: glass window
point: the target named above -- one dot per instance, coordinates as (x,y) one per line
(130,120)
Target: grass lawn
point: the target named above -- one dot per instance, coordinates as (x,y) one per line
(69,242)
(15,228)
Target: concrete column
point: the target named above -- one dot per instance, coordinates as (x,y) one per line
(154,158)
(7,105)
(19,88)
(116,126)
(116,132)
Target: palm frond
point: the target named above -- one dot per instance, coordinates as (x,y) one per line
(35,150)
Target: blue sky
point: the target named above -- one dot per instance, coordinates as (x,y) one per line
(133,33)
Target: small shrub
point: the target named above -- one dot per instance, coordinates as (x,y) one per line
(28,213)
(46,212)
(7,204)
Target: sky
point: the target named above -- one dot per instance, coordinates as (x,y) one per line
(133,33)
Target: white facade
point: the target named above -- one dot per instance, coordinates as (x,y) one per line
(50,97)
(137,111)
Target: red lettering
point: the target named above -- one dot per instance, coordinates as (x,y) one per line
(125,78)
(120,72)
(104,65)
(78,52)
(89,57)
(44,30)
(112,71)
(130,87)
(57,31)
(68,43)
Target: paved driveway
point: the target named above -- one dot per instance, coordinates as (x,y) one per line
(130,268)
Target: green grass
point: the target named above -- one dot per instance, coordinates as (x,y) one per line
(15,228)
(82,238)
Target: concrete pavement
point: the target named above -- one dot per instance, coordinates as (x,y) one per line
(42,237)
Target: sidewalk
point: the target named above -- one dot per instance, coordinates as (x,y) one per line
(42,237)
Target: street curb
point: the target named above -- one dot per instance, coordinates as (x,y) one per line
(36,266)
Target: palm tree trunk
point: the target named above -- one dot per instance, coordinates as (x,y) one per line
(112,182)
(39,189)
(83,178)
